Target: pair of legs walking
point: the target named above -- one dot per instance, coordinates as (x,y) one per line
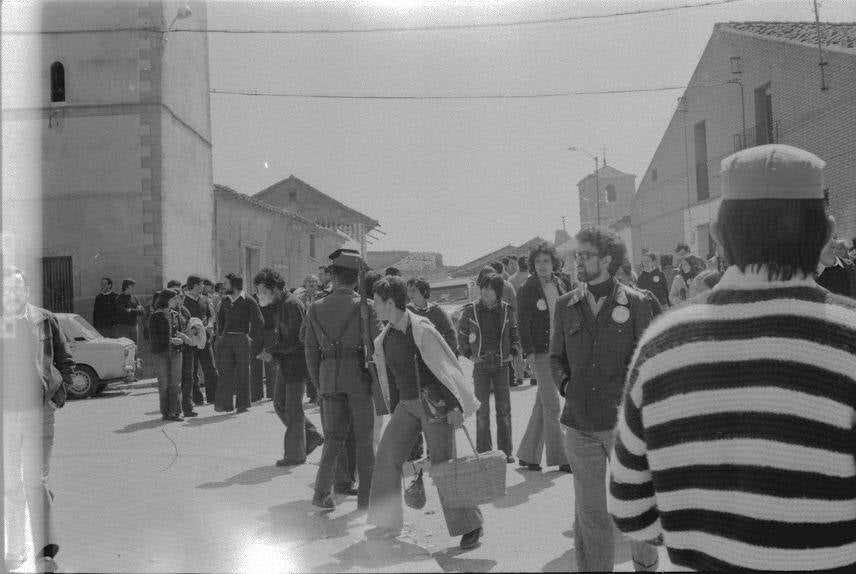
(594,533)
(544,429)
(342,413)
(288,404)
(407,421)
(28,439)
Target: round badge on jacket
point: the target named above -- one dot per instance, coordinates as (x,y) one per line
(472,337)
(621,314)
(656,278)
(541,305)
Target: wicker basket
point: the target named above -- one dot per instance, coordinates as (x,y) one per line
(470,480)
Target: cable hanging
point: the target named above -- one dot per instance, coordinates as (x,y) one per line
(425,28)
(498,96)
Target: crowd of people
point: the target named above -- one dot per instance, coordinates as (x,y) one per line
(711,411)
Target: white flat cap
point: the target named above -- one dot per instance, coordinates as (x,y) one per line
(773,171)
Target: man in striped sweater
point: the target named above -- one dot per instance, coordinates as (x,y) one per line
(736,435)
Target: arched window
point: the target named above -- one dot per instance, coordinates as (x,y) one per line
(57,82)
(611,196)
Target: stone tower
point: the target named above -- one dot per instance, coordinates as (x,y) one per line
(112,172)
(616,193)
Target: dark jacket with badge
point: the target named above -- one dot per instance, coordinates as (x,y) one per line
(590,355)
(334,345)
(534,321)
(470,331)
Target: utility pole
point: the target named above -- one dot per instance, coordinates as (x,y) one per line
(821,63)
(597,187)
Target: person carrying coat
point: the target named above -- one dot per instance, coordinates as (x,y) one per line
(413,360)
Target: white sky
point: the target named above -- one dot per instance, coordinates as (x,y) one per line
(461,178)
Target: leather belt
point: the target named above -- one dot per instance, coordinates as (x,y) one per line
(356,352)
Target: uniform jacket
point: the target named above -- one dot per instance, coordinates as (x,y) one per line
(438,357)
(535,315)
(593,353)
(470,334)
(346,374)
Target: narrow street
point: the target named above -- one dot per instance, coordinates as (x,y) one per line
(129,500)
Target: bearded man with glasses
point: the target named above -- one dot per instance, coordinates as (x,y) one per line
(595,331)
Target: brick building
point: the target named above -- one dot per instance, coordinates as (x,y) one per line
(769,73)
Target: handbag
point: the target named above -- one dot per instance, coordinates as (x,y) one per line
(470,480)
(414,494)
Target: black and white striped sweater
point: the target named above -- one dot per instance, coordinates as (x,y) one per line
(737,436)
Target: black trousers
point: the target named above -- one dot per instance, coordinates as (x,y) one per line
(204,358)
(233,360)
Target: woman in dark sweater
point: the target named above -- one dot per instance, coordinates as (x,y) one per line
(166,341)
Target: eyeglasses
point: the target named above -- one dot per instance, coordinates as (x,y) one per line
(585,255)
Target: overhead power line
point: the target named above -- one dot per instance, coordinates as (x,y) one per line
(497,96)
(423,28)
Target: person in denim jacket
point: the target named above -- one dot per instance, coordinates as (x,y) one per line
(36,371)
(487,334)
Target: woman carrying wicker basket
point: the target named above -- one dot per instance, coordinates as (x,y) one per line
(415,363)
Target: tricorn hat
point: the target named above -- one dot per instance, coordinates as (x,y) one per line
(346,259)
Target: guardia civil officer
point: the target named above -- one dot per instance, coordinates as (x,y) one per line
(335,357)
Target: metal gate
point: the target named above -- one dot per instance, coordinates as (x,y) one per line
(57,284)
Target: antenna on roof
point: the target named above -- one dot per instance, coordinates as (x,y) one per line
(821,63)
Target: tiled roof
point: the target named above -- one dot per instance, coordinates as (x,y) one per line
(840,34)
(225,189)
(295,183)
(382,259)
(474,266)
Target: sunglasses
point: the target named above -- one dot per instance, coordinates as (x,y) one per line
(585,255)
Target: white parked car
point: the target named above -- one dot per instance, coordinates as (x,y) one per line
(100,360)
(452,294)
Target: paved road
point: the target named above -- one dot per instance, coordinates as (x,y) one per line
(135,494)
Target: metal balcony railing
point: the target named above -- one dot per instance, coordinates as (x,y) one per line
(753,137)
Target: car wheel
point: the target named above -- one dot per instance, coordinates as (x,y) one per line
(84,383)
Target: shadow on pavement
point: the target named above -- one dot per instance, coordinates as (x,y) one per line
(111,394)
(377,554)
(300,521)
(143,425)
(449,561)
(202,421)
(567,562)
(534,482)
(258,475)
